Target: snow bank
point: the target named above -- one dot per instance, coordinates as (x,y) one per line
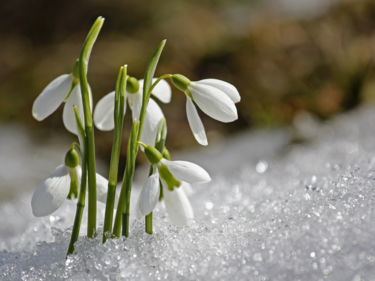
(305,213)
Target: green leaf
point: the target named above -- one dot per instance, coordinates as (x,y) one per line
(161,135)
(90,40)
(151,67)
(118,118)
(123,206)
(80,129)
(83,65)
(132,153)
(159,145)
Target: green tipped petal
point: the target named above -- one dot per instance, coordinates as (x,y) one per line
(168,177)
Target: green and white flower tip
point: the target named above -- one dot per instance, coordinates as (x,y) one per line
(104,110)
(63,184)
(214,97)
(64,88)
(172,174)
(184,185)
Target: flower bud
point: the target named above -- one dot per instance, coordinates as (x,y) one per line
(180,81)
(73,192)
(132,85)
(152,154)
(71,158)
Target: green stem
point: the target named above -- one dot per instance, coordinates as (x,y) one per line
(116,149)
(118,218)
(76,228)
(124,201)
(145,102)
(147,85)
(159,145)
(157,81)
(126,186)
(91,218)
(125,224)
(77,147)
(123,208)
(82,192)
(83,66)
(148,223)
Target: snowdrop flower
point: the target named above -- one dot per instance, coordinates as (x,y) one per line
(214,97)
(104,111)
(171,174)
(63,184)
(64,88)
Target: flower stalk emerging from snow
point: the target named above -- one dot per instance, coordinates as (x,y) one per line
(123,207)
(215,98)
(82,193)
(102,183)
(159,145)
(118,116)
(89,129)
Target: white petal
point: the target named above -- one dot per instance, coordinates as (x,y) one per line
(79,176)
(104,113)
(135,103)
(227,88)
(162,91)
(69,118)
(186,187)
(213,102)
(151,123)
(178,206)
(102,189)
(51,193)
(187,171)
(195,122)
(52,96)
(138,214)
(150,194)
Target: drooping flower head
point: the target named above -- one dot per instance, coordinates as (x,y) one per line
(64,88)
(104,110)
(171,174)
(63,184)
(214,97)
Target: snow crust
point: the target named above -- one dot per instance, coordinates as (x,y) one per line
(305,212)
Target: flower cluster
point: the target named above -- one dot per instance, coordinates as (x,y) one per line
(168,181)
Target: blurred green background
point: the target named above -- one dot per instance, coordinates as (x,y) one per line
(285,57)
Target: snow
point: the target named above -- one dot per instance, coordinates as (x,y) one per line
(272,212)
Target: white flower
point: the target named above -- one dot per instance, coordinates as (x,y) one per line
(54,190)
(104,110)
(187,188)
(56,93)
(172,174)
(214,97)
(178,206)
